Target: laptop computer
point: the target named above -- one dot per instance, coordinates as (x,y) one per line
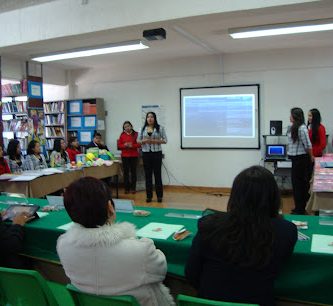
(124,206)
(276,152)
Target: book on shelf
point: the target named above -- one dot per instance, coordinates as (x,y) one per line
(14,107)
(49,144)
(55,119)
(16,125)
(55,132)
(51,107)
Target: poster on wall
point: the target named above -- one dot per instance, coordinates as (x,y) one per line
(159,110)
(36,126)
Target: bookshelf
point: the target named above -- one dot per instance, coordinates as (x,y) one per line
(15,116)
(54,121)
(83,117)
(21,109)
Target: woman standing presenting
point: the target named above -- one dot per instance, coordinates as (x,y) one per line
(128,145)
(300,153)
(317,132)
(151,137)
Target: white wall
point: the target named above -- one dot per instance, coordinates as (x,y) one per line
(288,78)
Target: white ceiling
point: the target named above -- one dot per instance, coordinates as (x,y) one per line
(190,37)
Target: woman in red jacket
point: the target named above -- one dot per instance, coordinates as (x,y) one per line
(73,148)
(129,154)
(3,163)
(317,132)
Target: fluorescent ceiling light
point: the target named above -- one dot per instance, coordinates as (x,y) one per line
(91,51)
(282,29)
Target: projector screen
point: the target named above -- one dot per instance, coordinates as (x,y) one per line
(224,117)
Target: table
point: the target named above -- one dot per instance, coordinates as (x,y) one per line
(47,184)
(322,186)
(307,276)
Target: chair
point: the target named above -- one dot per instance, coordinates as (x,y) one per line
(86,299)
(27,287)
(184,300)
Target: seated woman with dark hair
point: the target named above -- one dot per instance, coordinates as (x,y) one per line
(59,157)
(35,160)
(236,256)
(15,159)
(103,257)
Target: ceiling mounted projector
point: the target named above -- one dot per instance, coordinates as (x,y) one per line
(154,34)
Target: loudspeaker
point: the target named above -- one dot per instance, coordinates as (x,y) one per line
(275,127)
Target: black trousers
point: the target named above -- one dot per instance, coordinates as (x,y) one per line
(129,166)
(152,163)
(300,179)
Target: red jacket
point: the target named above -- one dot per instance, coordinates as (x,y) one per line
(72,153)
(129,138)
(320,145)
(4,167)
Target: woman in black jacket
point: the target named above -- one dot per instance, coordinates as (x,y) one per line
(11,241)
(236,256)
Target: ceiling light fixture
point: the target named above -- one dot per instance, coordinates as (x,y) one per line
(282,29)
(91,51)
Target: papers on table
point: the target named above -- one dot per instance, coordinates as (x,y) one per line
(66,226)
(7,176)
(42,214)
(322,244)
(50,171)
(158,230)
(24,178)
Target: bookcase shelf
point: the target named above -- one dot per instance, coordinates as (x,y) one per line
(82,118)
(77,118)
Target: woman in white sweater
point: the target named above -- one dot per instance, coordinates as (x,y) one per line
(103,257)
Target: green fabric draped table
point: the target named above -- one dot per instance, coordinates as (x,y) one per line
(307,277)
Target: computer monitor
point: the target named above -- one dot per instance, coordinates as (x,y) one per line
(276,152)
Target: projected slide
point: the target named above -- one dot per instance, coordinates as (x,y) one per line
(219,116)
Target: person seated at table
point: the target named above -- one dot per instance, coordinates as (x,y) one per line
(35,160)
(97,142)
(73,148)
(59,157)
(3,163)
(11,241)
(236,256)
(15,159)
(103,257)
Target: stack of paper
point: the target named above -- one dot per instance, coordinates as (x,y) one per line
(158,230)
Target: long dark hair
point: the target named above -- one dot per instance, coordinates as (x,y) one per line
(2,159)
(12,149)
(31,147)
(57,147)
(315,123)
(245,235)
(298,116)
(128,122)
(156,125)
(70,141)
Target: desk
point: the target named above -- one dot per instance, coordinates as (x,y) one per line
(47,184)
(322,186)
(307,277)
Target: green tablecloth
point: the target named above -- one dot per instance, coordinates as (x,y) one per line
(307,277)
